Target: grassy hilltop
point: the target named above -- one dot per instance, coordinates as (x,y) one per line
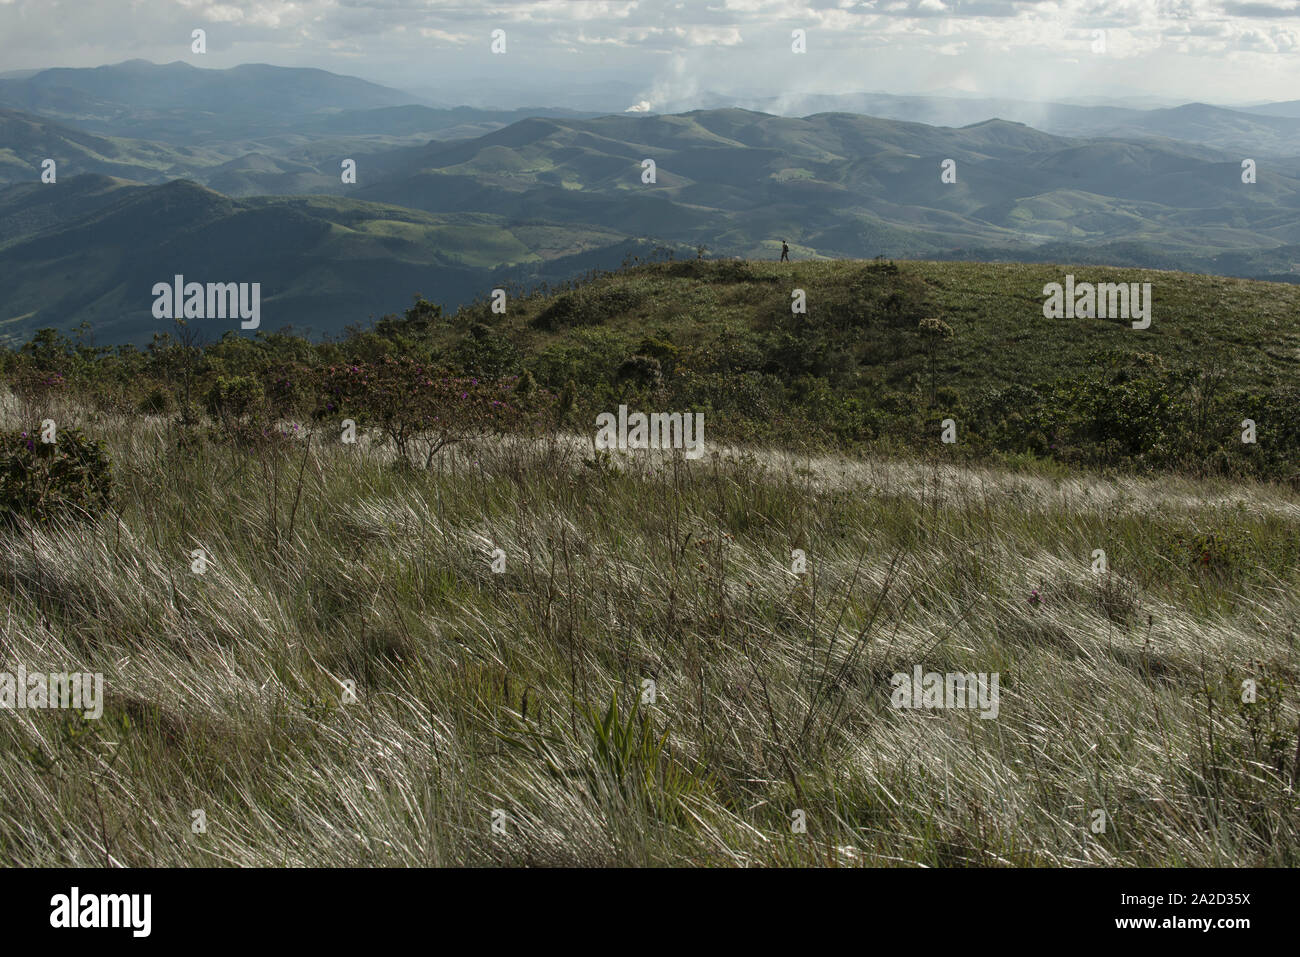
(369,566)
(861,365)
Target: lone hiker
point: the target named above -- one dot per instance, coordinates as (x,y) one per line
(785,252)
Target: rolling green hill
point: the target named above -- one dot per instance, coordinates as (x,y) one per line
(26,140)
(323,262)
(860,365)
(1251,328)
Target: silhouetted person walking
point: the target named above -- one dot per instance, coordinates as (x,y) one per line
(785,252)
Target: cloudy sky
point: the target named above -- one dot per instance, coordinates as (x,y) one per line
(665,53)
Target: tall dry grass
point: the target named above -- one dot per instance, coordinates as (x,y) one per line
(521,691)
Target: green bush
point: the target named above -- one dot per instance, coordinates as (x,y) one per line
(717,270)
(485,353)
(68,478)
(588,306)
(157,402)
(235,398)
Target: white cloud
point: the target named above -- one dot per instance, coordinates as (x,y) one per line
(1187,48)
(459,39)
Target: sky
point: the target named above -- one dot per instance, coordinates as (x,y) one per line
(662,54)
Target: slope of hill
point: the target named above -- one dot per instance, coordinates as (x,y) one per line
(773,688)
(460,122)
(860,331)
(1290,108)
(30,208)
(776,596)
(323,262)
(27,140)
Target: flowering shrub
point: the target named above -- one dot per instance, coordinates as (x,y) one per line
(37,385)
(421,409)
(39,481)
(287,388)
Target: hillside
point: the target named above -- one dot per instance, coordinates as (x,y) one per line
(647,681)
(678,653)
(31,208)
(870,310)
(859,365)
(323,262)
(27,140)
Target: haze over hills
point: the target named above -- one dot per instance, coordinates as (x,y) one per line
(1271,130)
(829,163)
(247,130)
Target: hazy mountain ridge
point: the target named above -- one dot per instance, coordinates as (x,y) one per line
(1270,130)
(138,92)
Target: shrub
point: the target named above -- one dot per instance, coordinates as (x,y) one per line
(287,387)
(157,402)
(665,352)
(485,353)
(37,385)
(235,399)
(881,295)
(719,270)
(589,306)
(644,371)
(419,408)
(39,481)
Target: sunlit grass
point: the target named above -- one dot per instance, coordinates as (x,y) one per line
(522,691)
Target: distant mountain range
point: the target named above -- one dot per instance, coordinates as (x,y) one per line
(176,100)
(158,122)
(1272,130)
(449,202)
(192,106)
